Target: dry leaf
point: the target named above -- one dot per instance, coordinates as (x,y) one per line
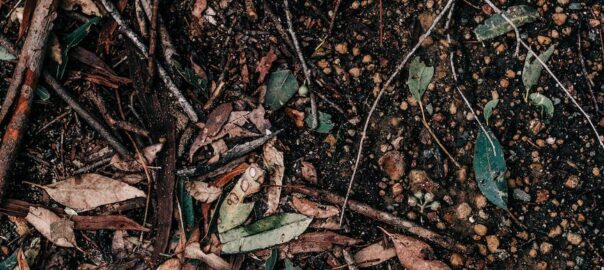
(88,191)
(327,224)
(218,118)
(309,173)
(317,242)
(198,8)
(313,209)
(233,211)
(88,6)
(56,229)
(134,165)
(273,161)
(257,118)
(193,251)
(20,223)
(414,254)
(203,191)
(21,260)
(297,116)
(374,254)
(265,64)
(170,264)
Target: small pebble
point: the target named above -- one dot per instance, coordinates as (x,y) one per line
(519,194)
(559,18)
(456,260)
(355,72)
(463,210)
(572,182)
(492,243)
(573,238)
(480,201)
(480,229)
(342,48)
(545,247)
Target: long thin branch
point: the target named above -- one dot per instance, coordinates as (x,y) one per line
(547,68)
(427,126)
(377,99)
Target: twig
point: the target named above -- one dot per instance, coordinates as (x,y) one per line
(377,99)
(98,164)
(100,104)
(163,74)
(590,83)
(307,76)
(547,68)
(368,211)
(152,39)
(427,126)
(381,30)
(24,83)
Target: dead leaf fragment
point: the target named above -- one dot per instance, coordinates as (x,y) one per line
(218,118)
(198,8)
(414,254)
(309,172)
(297,116)
(317,242)
(273,160)
(373,255)
(88,191)
(170,264)
(56,229)
(88,6)
(193,251)
(265,64)
(393,164)
(134,165)
(233,211)
(21,260)
(203,191)
(313,209)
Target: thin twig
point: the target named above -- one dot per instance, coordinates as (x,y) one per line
(547,68)
(152,39)
(590,83)
(377,99)
(427,126)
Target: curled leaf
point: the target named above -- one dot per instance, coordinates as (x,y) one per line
(273,160)
(414,254)
(373,255)
(496,25)
(544,102)
(134,165)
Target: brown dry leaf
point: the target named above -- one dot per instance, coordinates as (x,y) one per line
(198,8)
(203,191)
(217,118)
(20,223)
(257,118)
(132,179)
(56,229)
(313,209)
(134,165)
(220,148)
(309,173)
(88,6)
(22,262)
(414,254)
(88,191)
(273,161)
(327,224)
(193,251)
(170,264)
(297,116)
(374,254)
(265,64)
(393,164)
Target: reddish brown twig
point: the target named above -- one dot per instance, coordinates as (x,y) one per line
(100,104)
(152,39)
(24,82)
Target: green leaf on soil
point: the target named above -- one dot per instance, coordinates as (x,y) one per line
(544,102)
(496,25)
(9,263)
(532,69)
(282,85)
(420,76)
(490,168)
(290,266)
(186,205)
(325,123)
(42,93)
(488,109)
(272,260)
(70,41)
(264,233)
(5,55)
(200,85)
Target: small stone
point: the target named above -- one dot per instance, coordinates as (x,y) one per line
(404,106)
(480,201)
(480,229)
(456,260)
(355,72)
(595,171)
(504,83)
(573,238)
(541,266)
(462,174)
(367,59)
(356,51)
(510,74)
(543,40)
(572,182)
(342,48)
(492,243)
(559,18)
(453,108)
(533,253)
(554,232)
(463,210)
(545,247)
(397,189)
(501,48)
(519,194)
(393,164)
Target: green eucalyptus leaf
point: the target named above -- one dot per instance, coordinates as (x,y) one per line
(490,169)
(272,260)
(264,233)
(70,41)
(420,76)
(532,68)
(9,263)
(488,109)
(544,102)
(325,123)
(282,86)
(42,93)
(496,25)
(5,55)
(186,206)
(290,266)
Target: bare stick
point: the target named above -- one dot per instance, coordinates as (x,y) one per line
(377,99)
(593,127)
(421,107)
(163,74)
(307,81)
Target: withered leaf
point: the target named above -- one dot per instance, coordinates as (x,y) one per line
(218,118)
(203,191)
(313,209)
(309,173)
(413,254)
(170,264)
(374,254)
(265,64)
(134,165)
(56,229)
(273,161)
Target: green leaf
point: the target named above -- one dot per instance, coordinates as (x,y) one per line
(325,123)
(5,55)
(264,233)
(70,41)
(186,205)
(42,93)
(490,168)
(544,102)
(10,262)
(272,260)
(420,76)
(282,85)
(200,85)
(496,25)
(290,266)
(532,69)
(488,109)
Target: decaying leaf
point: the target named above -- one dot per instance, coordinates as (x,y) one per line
(170,264)
(532,69)
(373,255)
(325,123)
(496,25)
(297,116)
(490,169)
(233,211)
(488,109)
(317,242)
(273,161)
(309,172)
(264,233)
(282,85)
(134,165)
(56,229)
(193,251)
(88,191)
(544,102)
(70,41)
(313,209)
(203,191)
(265,64)
(414,254)
(218,118)
(88,7)
(420,76)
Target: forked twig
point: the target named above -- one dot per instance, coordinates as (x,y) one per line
(377,99)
